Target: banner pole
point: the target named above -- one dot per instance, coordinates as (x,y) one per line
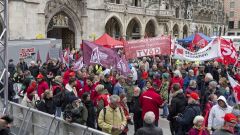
(170,60)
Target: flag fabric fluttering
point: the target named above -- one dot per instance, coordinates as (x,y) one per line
(48,57)
(236,88)
(106,57)
(38,56)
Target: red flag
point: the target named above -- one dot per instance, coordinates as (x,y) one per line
(38,56)
(229,53)
(236,88)
(48,57)
(199,41)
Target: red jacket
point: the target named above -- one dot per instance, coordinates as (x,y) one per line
(158,82)
(177,80)
(237,77)
(42,86)
(150,101)
(105,98)
(66,76)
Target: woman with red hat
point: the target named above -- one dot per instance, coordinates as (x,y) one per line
(42,85)
(31,95)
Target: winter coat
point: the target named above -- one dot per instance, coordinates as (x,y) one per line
(217,113)
(112,117)
(23,66)
(222,132)
(177,80)
(91,114)
(46,105)
(34,71)
(190,90)
(78,115)
(177,105)
(164,90)
(118,89)
(137,111)
(207,110)
(11,69)
(129,91)
(186,120)
(187,80)
(194,131)
(66,76)
(63,98)
(150,101)
(5,131)
(108,86)
(42,86)
(149,130)
(57,88)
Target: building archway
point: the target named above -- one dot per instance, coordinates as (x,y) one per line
(205,31)
(185,31)
(209,32)
(61,27)
(133,30)
(175,31)
(165,29)
(113,28)
(150,29)
(201,30)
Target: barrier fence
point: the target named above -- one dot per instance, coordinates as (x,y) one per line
(29,121)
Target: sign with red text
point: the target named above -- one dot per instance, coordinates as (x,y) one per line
(26,52)
(148,47)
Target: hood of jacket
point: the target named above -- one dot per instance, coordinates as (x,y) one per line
(224,100)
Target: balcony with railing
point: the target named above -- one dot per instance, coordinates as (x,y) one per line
(121,8)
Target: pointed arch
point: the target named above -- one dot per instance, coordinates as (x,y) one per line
(175,30)
(134,29)
(114,27)
(150,29)
(185,31)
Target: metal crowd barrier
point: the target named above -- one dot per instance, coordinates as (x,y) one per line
(29,121)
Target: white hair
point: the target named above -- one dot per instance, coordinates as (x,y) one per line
(192,82)
(114,99)
(213,84)
(198,118)
(149,117)
(209,76)
(138,90)
(178,73)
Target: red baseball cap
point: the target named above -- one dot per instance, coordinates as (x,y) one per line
(229,117)
(40,76)
(193,95)
(72,74)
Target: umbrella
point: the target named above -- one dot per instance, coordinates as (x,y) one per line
(109,42)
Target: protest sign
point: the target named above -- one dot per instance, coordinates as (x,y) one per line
(148,47)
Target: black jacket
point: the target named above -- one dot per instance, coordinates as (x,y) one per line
(11,69)
(137,111)
(186,119)
(46,106)
(23,66)
(34,71)
(178,104)
(5,131)
(149,130)
(108,86)
(91,114)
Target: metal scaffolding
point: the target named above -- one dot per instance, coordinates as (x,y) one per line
(4,53)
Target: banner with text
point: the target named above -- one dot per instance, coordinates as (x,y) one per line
(148,47)
(211,51)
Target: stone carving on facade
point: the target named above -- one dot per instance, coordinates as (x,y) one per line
(60,20)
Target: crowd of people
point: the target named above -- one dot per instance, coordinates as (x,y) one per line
(195,98)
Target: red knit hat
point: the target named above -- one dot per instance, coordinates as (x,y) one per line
(193,95)
(229,117)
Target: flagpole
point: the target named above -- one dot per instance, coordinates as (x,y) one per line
(170,51)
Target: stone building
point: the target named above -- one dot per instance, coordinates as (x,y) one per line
(77,20)
(232,11)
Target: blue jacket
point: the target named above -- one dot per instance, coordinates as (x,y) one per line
(187,80)
(118,89)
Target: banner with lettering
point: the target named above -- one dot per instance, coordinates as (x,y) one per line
(211,51)
(148,47)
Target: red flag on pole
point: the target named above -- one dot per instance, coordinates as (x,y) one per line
(38,56)
(236,88)
(199,41)
(48,57)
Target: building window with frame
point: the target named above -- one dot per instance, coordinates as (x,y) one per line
(231,14)
(232,4)
(231,24)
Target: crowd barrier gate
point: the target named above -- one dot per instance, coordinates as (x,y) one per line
(29,121)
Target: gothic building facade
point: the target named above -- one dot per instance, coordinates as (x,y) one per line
(77,20)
